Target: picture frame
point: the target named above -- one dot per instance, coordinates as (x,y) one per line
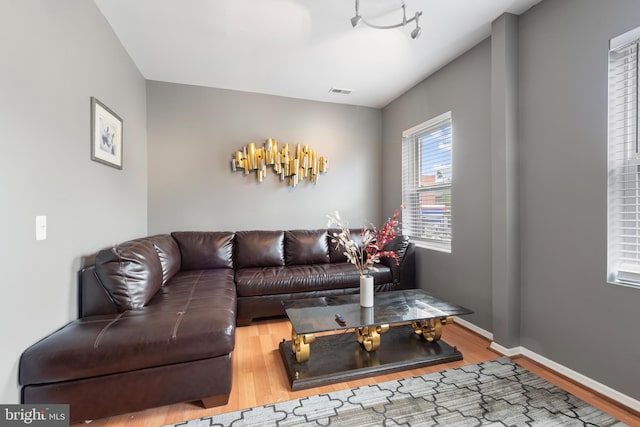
(106,135)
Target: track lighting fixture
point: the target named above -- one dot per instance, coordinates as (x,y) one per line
(417,31)
(357,19)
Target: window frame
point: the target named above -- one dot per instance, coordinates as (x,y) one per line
(413,221)
(623,182)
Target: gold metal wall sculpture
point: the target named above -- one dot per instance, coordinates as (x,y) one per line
(301,163)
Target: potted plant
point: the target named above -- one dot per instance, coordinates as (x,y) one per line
(366,255)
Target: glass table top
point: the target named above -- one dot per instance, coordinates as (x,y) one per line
(313,315)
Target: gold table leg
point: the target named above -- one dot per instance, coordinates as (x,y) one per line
(300,345)
(369,336)
(430,329)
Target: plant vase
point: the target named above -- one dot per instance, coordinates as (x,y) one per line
(366,291)
(367,315)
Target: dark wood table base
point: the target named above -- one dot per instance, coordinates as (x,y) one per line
(338,357)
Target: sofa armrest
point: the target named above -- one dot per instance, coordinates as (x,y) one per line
(402,269)
(94,298)
(407,268)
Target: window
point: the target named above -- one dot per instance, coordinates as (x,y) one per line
(426,183)
(624,161)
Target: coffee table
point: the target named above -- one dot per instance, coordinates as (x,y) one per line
(401,331)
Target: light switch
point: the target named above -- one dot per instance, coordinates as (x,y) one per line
(41,227)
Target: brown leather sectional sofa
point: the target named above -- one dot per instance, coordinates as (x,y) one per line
(158,315)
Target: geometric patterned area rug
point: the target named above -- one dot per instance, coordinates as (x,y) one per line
(494,393)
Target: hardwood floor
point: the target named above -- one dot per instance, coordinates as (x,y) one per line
(259,377)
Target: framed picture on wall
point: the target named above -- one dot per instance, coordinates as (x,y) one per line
(106,135)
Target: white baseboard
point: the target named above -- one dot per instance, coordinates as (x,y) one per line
(510,352)
(604,390)
(488,335)
(577,377)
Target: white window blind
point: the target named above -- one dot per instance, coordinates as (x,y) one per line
(426,183)
(624,161)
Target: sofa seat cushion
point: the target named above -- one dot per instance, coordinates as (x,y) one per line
(191,318)
(302,278)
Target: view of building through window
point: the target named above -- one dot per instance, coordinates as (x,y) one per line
(427,178)
(435,170)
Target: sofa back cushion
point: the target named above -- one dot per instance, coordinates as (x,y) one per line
(259,248)
(336,252)
(306,247)
(205,249)
(131,273)
(169,254)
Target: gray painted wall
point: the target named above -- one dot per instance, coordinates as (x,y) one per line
(193,132)
(464,88)
(569,313)
(55,56)
(505,239)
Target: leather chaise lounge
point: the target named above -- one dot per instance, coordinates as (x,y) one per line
(158,315)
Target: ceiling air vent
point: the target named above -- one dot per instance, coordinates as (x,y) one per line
(340,91)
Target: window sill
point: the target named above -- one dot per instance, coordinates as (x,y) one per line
(445,248)
(625,284)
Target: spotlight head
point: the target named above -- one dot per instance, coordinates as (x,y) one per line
(356,20)
(417,31)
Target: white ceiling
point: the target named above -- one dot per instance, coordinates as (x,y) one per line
(299,48)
